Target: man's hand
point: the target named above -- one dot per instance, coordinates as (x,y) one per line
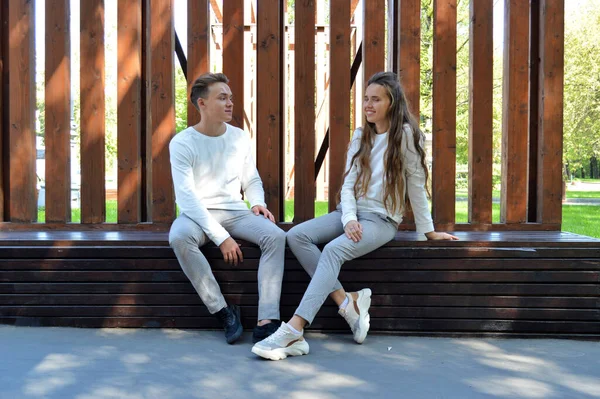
(258,209)
(434,235)
(353,230)
(231,251)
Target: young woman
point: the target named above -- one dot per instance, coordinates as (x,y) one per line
(385,174)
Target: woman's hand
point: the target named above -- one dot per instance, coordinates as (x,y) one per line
(353,230)
(434,235)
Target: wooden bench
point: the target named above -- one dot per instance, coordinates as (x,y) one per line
(513,283)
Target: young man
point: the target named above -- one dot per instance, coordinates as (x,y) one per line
(210,162)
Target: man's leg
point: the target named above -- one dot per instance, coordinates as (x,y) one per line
(271,240)
(186,238)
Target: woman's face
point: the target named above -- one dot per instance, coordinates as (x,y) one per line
(376,103)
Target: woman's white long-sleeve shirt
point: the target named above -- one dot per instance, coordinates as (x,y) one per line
(372,201)
(208,173)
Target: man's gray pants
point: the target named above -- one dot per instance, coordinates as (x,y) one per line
(186,237)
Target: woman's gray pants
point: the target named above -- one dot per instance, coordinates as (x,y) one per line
(186,237)
(324,267)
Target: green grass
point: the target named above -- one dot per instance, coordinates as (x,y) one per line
(579,219)
(583,194)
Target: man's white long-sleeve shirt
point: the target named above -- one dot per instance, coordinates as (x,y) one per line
(208,173)
(414,176)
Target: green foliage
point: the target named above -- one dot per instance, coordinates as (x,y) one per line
(582,85)
(181,100)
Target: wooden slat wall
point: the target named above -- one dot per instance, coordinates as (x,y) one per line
(129,122)
(269,103)
(444,112)
(198,49)
(550,110)
(373,38)
(513,208)
(481,51)
(58,112)
(3,106)
(162,109)
(339,92)
(304,112)
(93,207)
(21,86)
(233,59)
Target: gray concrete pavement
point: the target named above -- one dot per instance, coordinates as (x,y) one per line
(119,363)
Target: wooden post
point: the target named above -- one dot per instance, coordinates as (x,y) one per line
(21,86)
(373,38)
(93,206)
(550,110)
(162,109)
(269,103)
(233,55)
(481,69)
(198,49)
(339,92)
(129,122)
(444,112)
(534,92)
(515,123)
(304,102)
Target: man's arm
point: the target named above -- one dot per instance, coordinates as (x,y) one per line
(183,181)
(251,182)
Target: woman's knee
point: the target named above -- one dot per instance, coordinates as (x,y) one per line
(296,236)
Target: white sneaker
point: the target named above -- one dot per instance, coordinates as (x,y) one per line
(281,344)
(359,322)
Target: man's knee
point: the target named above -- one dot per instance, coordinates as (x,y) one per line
(179,238)
(274,238)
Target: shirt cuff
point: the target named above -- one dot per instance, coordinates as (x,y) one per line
(348,217)
(425,227)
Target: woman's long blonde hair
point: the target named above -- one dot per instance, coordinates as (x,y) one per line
(395,197)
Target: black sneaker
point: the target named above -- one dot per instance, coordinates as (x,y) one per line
(231,320)
(261,332)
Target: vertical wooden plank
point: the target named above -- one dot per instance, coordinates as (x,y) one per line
(515,123)
(304,112)
(23,207)
(198,49)
(129,129)
(3,104)
(444,111)
(408,56)
(481,51)
(93,191)
(233,55)
(58,112)
(269,103)
(373,38)
(162,108)
(339,103)
(550,109)
(534,92)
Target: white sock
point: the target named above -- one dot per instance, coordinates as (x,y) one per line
(292,329)
(344,304)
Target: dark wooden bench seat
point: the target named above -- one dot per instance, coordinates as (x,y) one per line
(525,283)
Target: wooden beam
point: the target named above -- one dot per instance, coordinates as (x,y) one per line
(93,206)
(233,60)
(444,111)
(4,131)
(162,110)
(129,122)
(304,112)
(198,49)
(481,59)
(339,92)
(551,89)
(269,103)
(513,207)
(21,86)
(534,93)
(373,38)
(58,112)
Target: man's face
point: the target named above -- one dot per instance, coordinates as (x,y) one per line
(218,104)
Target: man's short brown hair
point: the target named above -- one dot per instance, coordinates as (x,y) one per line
(202,84)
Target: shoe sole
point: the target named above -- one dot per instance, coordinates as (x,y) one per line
(364,320)
(298,349)
(239,331)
